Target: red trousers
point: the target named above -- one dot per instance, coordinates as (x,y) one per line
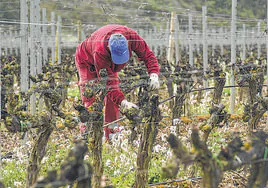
(111,109)
(111,113)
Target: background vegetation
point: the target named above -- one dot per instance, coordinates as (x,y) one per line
(126,11)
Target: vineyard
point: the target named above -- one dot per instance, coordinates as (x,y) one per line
(205,127)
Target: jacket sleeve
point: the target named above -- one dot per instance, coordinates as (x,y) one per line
(112,85)
(86,73)
(144,53)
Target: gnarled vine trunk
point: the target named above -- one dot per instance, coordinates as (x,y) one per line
(37,154)
(146,144)
(95,143)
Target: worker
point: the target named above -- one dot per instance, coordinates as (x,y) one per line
(110,47)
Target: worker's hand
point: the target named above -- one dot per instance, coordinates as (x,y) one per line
(130,110)
(125,105)
(153,82)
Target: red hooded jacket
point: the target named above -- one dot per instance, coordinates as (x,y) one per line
(93,54)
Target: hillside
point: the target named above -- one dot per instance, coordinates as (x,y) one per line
(100,12)
(126,10)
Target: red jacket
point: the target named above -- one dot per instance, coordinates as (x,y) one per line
(94,51)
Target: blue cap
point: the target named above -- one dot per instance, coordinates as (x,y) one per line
(119,48)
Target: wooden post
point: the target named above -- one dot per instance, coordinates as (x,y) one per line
(198,36)
(155,42)
(243,90)
(159,35)
(170,56)
(166,37)
(213,41)
(190,38)
(53,36)
(58,40)
(259,39)
(6,44)
(221,40)
(177,47)
(10,42)
(38,35)
(244,43)
(151,31)
(252,40)
(205,44)
(83,35)
(18,43)
(233,55)
(79,38)
(24,46)
(44,36)
(33,51)
(248,40)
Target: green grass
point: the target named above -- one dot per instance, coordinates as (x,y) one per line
(73,92)
(119,162)
(11,172)
(56,153)
(119,166)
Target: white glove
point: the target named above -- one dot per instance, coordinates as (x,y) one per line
(125,105)
(153,82)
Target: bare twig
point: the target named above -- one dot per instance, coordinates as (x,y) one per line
(239,175)
(118,120)
(175,181)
